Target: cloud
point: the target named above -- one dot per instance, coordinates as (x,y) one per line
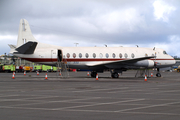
(93,22)
(5,40)
(162,10)
(120,21)
(171,46)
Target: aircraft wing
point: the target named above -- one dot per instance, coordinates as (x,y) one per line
(119,62)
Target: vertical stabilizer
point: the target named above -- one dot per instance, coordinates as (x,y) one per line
(24,34)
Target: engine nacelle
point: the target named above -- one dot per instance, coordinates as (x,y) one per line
(145,63)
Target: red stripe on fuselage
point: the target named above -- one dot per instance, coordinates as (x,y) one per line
(79,60)
(41,59)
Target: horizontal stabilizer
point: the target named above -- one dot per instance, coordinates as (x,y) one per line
(12,46)
(27,48)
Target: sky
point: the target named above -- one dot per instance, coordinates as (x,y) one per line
(127,23)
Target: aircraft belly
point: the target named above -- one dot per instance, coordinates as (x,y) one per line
(116,66)
(78,66)
(85,65)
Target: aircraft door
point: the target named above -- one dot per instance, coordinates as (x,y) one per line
(53,56)
(59,55)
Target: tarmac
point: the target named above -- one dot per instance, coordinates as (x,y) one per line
(80,97)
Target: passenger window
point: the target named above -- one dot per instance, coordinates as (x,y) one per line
(120,55)
(94,55)
(100,55)
(132,55)
(74,55)
(107,55)
(87,55)
(113,55)
(67,55)
(80,55)
(125,55)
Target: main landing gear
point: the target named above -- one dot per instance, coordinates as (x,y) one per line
(114,75)
(93,74)
(158,74)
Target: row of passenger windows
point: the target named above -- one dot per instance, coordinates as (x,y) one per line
(101,55)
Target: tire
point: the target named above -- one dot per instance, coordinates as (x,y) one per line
(114,75)
(93,74)
(158,75)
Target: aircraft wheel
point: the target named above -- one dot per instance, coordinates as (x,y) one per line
(158,75)
(114,75)
(93,74)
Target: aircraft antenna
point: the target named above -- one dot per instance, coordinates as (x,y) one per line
(76,44)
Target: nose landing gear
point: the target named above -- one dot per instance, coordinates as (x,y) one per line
(158,74)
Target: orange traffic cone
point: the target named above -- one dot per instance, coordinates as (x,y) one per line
(60,72)
(24,72)
(96,76)
(37,72)
(46,76)
(88,73)
(13,77)
(151,74)
(145,78)
(14,73)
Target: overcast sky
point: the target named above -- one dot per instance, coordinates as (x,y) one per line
(147,23)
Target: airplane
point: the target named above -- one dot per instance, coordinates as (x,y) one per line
(95,59)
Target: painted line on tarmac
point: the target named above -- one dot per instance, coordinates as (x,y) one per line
(169,91)
(44,102)
(100,89)
(126,91)
(150,113)
(104,111)
(95,111)
(150,106)
(29,98)
(8,95)
(96,104)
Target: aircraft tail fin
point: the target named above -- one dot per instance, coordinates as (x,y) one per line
(24,34)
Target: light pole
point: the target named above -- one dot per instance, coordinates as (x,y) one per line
(5,57)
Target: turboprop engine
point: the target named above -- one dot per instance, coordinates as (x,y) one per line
(145,63)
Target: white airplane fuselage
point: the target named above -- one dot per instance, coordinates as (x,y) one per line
(89,58)
(76,57)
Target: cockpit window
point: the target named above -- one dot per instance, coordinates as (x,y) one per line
(164,52)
